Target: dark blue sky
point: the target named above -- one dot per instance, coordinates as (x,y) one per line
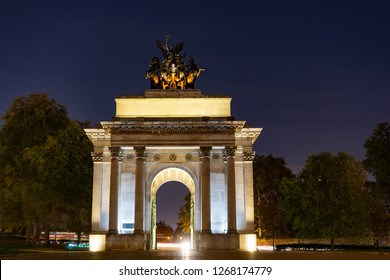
(314,74)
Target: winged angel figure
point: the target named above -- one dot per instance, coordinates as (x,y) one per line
(166,49)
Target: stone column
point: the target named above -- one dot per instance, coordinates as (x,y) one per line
(97,158)
(139,189)
(249,204)
(116,156)
(205,157)
(230,152)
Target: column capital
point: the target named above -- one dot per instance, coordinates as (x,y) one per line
(140,152)
(205,151)
(248,156)
(116,152)
(229,151)
(97,156)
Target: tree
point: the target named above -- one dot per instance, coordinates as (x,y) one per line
(379,214)
(45,164)
(70,160)
(268,174)
(377,162)
(328,198)
(164,229)
(184,216)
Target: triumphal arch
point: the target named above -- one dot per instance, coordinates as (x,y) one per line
(173,132)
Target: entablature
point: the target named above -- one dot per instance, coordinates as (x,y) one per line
(173,127)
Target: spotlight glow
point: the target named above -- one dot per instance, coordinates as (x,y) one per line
(97,242)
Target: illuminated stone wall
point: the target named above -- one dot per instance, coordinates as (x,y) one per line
(165,136)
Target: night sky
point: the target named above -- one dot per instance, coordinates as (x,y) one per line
(315,75)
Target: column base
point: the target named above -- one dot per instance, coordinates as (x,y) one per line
(129,242)
(97,242)
(248,242)
(209,241)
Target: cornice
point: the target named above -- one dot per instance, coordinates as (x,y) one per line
(98,134)
(226,127)
(249,133)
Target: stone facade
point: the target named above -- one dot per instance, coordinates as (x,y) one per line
(144,147)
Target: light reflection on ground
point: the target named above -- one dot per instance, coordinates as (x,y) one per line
(187,246)
(265,248)
(179,251)
(173,246)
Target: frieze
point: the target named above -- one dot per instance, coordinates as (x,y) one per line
(177,129)
(129,157)
(157,157)
(188,157)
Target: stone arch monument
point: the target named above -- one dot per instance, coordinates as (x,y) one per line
(171,134)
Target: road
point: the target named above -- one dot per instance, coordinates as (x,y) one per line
(180,254)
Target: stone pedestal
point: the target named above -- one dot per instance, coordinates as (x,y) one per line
(97,242)
(248,242)
(229,241)
(131,242)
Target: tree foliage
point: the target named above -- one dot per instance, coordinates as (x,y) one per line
(377,162)
(268,173)
(46,169)
(163,228)
(328,198)
(184,216)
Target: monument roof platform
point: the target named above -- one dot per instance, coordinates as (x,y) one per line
(173,119)
(173,93)
(158,103)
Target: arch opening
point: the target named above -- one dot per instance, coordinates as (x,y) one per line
(171,174)
(173,198)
